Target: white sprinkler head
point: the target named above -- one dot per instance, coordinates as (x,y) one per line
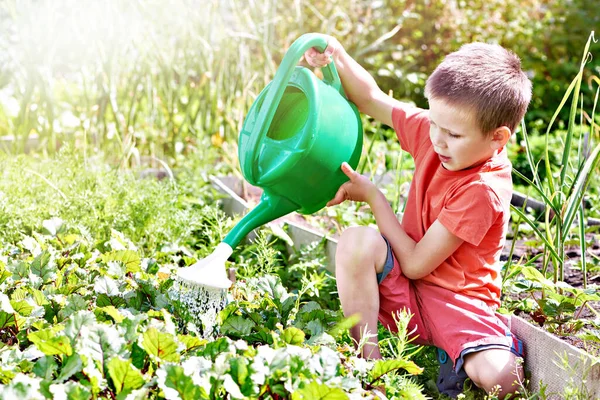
(209,271)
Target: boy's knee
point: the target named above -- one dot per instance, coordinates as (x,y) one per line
(495,369)
(359,244)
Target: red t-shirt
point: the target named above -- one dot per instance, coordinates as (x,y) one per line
(473,204)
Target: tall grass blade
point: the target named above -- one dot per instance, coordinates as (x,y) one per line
(539,190)
(574,104)
(583,245)
(537,231)
(530,159)
(547,153)
(580,187)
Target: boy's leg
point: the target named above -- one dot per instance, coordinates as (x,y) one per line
(494,367)
(476,338)
(361,254)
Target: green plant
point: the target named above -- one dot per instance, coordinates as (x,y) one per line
(563,198)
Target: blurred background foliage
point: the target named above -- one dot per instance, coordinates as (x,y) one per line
(154,78)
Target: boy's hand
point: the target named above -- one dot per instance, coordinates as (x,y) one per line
(316,59)
(359,188)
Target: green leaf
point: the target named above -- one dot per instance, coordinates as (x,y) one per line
(50,344)
(130,258)
(191,342)
(534,275)
(7,313)
(124,375)
(45,367)
(70,391)
(4,275)
(271,284)
(213,349)
(5,305)
(239,371)
(315,327)
(100,342)
(293,335)
(104,300)
(72,366)
(39,297)
(138,356)
(24,388)
(19,271)
(161,345)
(113,313)
(319,391)
(175,383)
(6,375)
(344,325)
(383,367)
(237,325)
(106,285)
(53,225)
(77,321)
(44,266)
(74,303)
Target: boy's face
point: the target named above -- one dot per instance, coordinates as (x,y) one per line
(456,139)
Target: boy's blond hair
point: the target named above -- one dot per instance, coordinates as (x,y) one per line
(484,78)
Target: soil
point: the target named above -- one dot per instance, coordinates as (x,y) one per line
(574,277)
(523,250)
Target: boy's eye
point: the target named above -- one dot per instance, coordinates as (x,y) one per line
(452,135)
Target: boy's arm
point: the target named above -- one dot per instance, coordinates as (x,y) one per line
(417,259)
(359,85)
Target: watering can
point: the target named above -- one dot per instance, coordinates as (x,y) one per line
(293,141)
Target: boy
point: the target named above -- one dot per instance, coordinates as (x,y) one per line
(442,262)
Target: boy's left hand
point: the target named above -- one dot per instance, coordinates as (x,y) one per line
(359,188)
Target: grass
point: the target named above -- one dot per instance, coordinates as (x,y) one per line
(98,199)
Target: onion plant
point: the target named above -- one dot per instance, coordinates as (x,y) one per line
(563,193)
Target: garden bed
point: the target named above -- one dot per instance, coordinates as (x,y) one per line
(553,361)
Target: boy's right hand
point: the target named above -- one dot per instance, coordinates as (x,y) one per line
(316,59)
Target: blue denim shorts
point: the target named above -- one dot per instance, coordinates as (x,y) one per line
(389,262)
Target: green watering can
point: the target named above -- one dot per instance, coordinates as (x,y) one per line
(293,141)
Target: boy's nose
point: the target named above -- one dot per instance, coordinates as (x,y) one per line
(436,139)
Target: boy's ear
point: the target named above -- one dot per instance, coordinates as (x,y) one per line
(499,137)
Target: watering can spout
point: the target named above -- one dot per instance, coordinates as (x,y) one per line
(268,209)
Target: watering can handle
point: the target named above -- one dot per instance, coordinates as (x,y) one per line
(278,86)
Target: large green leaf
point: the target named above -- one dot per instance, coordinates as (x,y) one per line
(130,258)
(237,325)
(176,384)
(49,343)
(100,342)
(4,275)
(74,303)
(319,391)
(7,313)
(105,300)
(106,285)
(191,342)
(45,367)
(77,322)
(71,366)
(44,266)
(124,375)
(161,345)
(271,284)
(70,391)
(383,367)
(293,335)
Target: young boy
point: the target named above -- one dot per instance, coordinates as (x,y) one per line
(442,262)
